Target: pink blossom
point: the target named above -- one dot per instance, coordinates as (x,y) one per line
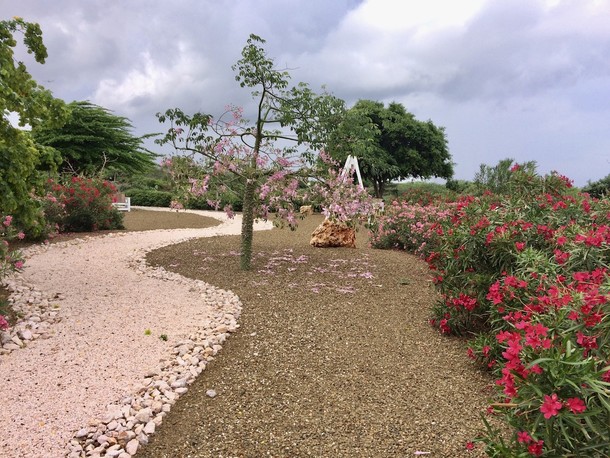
(576,405)
(551,406)
(536,449)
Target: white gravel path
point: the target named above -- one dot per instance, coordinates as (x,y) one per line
(98,353)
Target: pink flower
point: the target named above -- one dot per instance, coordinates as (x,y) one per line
(7,221)
(576,405)
(524,437)
(3,323)
(469,445)
(551,406)
(520,246)
(536,448)
(21,236)
(18,265)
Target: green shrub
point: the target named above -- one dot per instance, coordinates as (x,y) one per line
(598,188)
(149,197)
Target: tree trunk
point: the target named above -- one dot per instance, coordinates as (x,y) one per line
(247,225)
(378,188)
(381,189)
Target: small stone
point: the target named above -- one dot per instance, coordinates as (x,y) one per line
(81,433)
(142,438)
(156,406)
(17,341)
(180,383)
(124,455)
(143,416)
(181,391)
(102,439)
(26,334)
(11,346)
(132,446)
(221,329)
(211,393)
(150,427)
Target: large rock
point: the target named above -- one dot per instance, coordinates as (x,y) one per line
(306,210)
(333,234)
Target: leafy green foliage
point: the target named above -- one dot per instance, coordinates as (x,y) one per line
(422,193)
(599,189)
(390,144)
(20,157)
(95,141)
(497,179)
(149,197)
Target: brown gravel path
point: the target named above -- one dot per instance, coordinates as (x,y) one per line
(328,362)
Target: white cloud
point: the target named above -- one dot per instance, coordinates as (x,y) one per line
(151,79)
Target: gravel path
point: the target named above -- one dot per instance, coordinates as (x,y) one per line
(334,357)
(109,318)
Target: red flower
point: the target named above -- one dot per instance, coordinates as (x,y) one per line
(561,257)
(576,405)
(469,445)
(536,448)
(551,406)
(524,437)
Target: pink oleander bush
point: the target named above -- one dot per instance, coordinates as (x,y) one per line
(526,276)
(82,205)
(410,227)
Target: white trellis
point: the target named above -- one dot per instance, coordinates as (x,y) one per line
(352,163)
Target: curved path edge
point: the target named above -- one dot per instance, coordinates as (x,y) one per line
(106,344)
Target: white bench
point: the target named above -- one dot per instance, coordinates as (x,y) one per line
(123,205)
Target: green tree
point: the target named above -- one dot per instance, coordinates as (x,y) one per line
(497,178)
(22,97)
(95,141)
(247,151)
(598,189)
(390,144)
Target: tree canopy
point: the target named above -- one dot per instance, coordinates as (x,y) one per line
(22,97)
(94,140)
(390,144)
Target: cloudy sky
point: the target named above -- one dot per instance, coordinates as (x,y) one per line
(527,79)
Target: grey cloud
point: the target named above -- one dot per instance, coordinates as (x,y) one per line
(517,79)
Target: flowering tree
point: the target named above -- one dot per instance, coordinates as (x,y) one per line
(241,158)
